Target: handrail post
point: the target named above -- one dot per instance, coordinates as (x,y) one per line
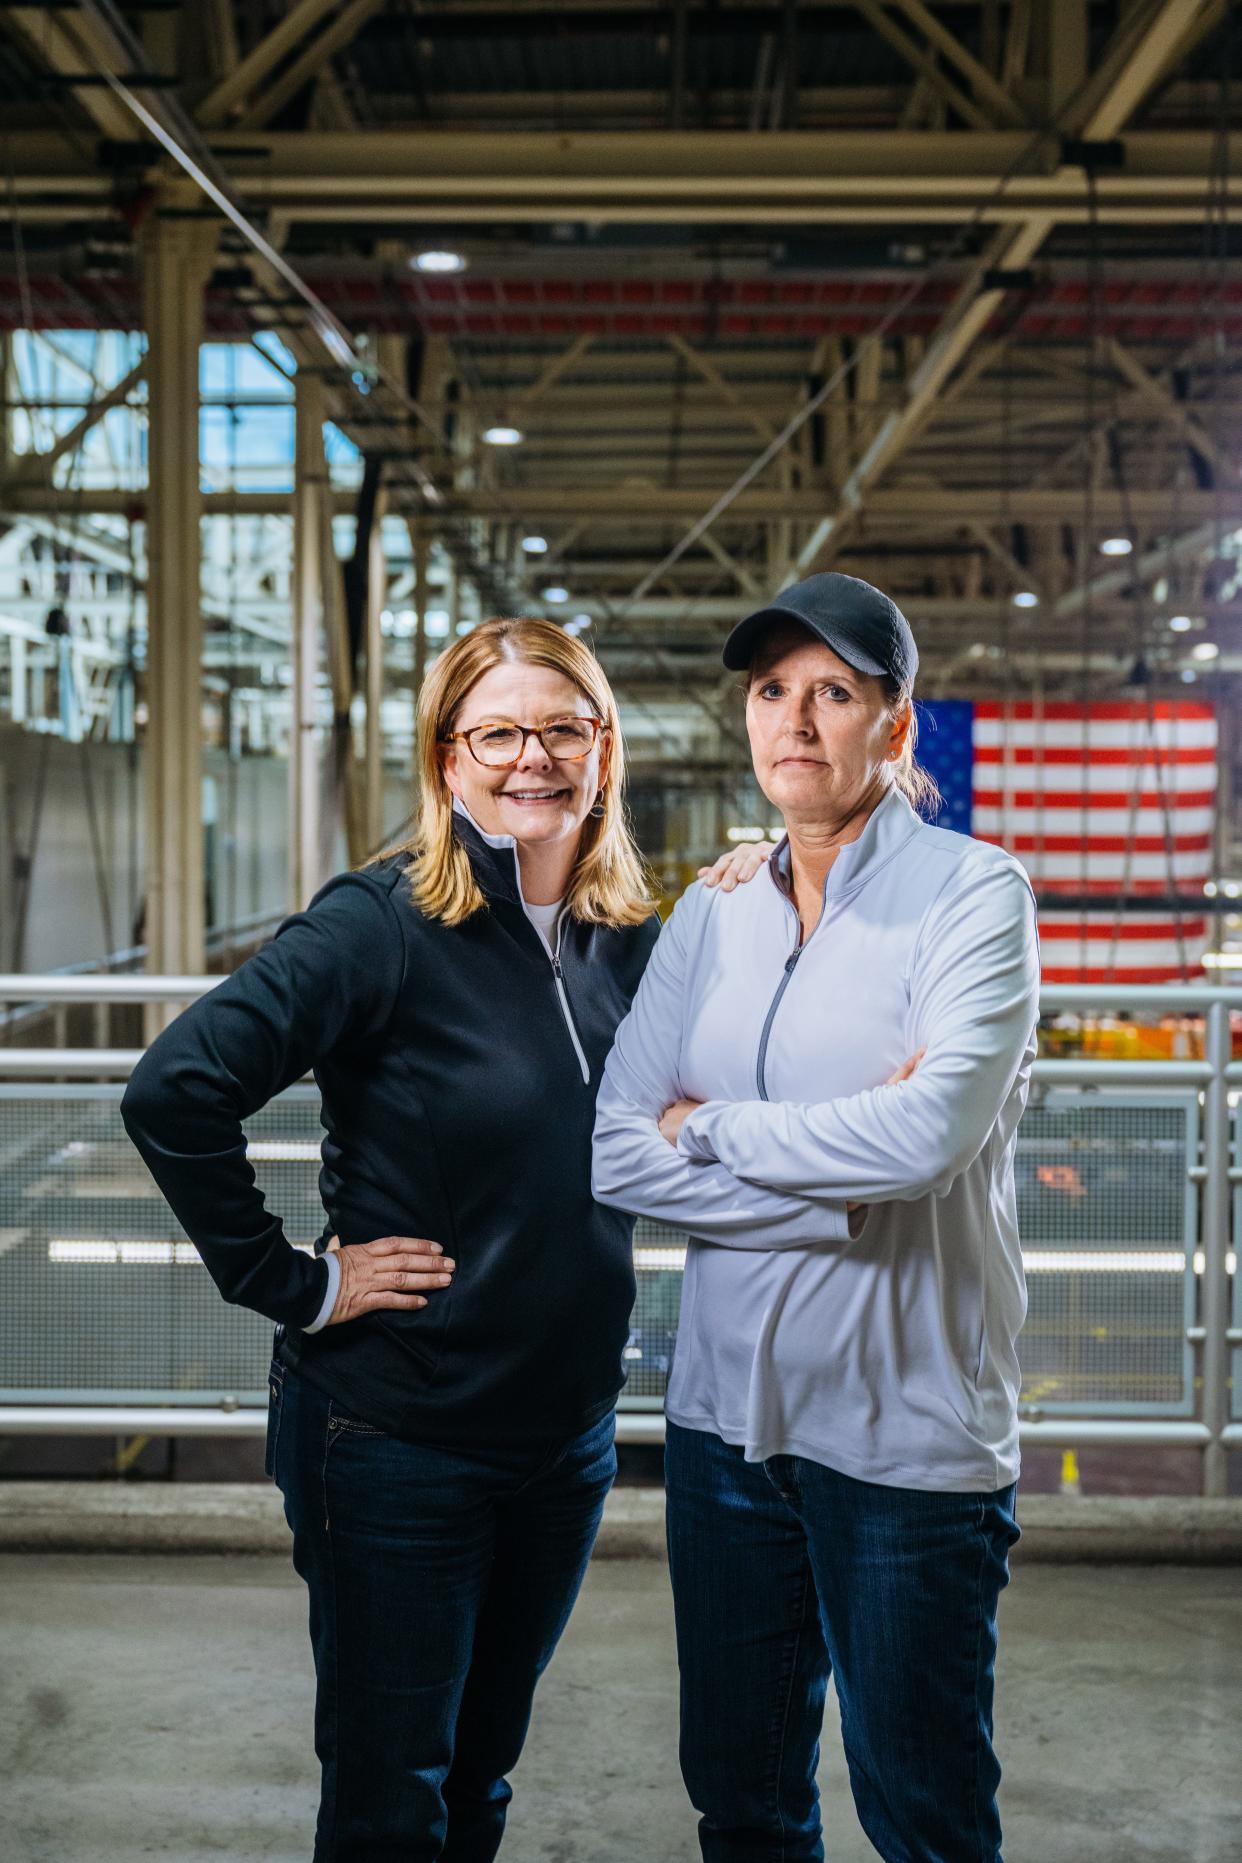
(1215,1228)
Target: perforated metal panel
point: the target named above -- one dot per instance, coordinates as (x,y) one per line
(1107,1212)
(102,1299)
(659,1257)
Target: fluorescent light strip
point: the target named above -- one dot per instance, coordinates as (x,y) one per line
(284,1151)
(1035,1261)
(135,1252)
(669,1259)
(84,1251)
(1104,1261)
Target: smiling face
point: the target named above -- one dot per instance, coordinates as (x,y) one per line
(541,800)
(821,734)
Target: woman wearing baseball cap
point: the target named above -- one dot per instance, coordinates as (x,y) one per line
(842,1054)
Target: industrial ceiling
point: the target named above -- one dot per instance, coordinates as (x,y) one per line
(942,295)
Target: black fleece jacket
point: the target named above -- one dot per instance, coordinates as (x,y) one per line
(455,1108)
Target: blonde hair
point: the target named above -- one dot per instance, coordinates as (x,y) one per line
(917,785)
(608,885)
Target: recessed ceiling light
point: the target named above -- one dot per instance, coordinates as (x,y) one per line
(503,436)
(1116,546)
(1026,598)
(1189,676)
(439,261)
(535,546)
(556,594)
(1180,624)
(1205,650)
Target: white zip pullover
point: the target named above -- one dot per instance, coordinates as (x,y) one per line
(890,1354)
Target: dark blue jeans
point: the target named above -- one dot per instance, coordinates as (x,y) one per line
(440,1583)
(784,1573)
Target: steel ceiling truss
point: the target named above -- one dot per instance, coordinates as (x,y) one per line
(917,444)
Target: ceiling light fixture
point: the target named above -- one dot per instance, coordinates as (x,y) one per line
(1026,598)
(1116,546)
(556,594)
(500,435)
(439,261)
(1180,624)
(535,546)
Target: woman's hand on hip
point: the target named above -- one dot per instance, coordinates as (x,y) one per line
(385,1274)
(737,866)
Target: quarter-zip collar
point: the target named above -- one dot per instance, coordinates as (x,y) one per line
(891,824)
(494,857)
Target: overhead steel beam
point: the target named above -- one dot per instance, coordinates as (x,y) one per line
(70,43)
(310,63)
(1141,51)
(923,64)
(694,614)
(303,19)
(1002,106)
(563,364)
(1152,508)
(1175,413)
(713,177)
(1147,40)
(1117,584)
(703,366)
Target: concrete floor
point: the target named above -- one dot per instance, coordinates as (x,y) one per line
(155,1706)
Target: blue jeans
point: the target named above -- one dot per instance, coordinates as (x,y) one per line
(784,1573)
(440,1582)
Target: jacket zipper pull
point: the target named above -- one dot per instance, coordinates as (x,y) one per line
(791,960)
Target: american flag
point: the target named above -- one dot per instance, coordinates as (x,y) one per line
(1102,804)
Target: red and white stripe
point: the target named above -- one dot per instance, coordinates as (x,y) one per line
(1119,798)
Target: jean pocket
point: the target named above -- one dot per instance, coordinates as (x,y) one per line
(342,1422)
(275,1402)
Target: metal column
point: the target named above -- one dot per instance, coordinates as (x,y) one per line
(176,258)
(422,554)
(310,473)
(1215,1229)
(377,595)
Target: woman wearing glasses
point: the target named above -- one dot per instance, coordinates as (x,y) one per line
(442,1392)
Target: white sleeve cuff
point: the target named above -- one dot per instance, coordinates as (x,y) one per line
(330,1262)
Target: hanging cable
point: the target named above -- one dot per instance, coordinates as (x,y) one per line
(1087,626)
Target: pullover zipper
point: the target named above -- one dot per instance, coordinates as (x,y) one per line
(565,1009)
(791,964)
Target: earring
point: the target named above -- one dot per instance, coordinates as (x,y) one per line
(597,811)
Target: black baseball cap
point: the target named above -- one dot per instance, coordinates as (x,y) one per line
(866,628)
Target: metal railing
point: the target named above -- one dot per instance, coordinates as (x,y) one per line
(1129,1185)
